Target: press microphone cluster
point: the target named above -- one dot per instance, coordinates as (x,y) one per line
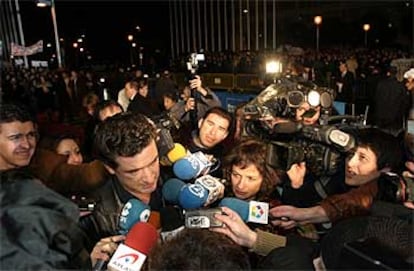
(133,211)
(205,190)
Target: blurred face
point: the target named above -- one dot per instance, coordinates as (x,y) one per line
(213,130)
(70,148)
(109,111)
(17,144)
(138,174)
(246,182)
(307,120)
(342,67)
(361,167)
(143,91)
(168,103)
(129,91)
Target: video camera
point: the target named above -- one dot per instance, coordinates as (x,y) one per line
(289,142)
(395,188)
(192,67)
(164,124)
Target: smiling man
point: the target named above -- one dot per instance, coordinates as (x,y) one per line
(126,145)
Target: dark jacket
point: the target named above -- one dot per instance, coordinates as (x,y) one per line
(143,105)
(39,229)
(110,200)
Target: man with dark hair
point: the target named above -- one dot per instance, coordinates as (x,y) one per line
(126,144)
(195,249)
(18,136)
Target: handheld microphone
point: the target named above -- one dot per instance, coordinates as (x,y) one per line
(132,254)
(188,196)
(171,190)
(192,196)
(172,222)
(133,211)
(177,153)
(192,165)
(253,211)
(213,185)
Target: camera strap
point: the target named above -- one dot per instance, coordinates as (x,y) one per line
(320,186)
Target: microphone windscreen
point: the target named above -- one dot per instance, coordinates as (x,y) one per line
(142,237)
(193,196)
(171,218)
(186,168)
(177,153)
(133,211)
(239,206)
(171,190)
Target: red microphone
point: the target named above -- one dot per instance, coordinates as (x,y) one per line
(131,255)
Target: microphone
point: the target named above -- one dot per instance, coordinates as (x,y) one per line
(213,185)
(132,254)
(192,165)
(192,196)
(329,135)
(171,190)
(133,211)
(177,153)
(172,222)
(188,196)
(253,211)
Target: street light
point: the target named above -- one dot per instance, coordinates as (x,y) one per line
(130,37)
(51,3)
(318,21)
(366,28)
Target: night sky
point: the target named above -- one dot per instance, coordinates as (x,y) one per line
(105,25)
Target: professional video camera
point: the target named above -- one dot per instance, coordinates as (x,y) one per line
(395,188)
(164,124)
(321,146)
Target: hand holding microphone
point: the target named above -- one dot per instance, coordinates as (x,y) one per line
(138,243)
(103,249)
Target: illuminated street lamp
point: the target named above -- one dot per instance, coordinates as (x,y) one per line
(75,45)
(318,21)
(51,3)
(366,28)
(130,37)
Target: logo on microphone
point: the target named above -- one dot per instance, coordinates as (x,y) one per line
(129,258)
(258,212)
(197,190)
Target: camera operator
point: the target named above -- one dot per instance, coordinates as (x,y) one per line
(376,152)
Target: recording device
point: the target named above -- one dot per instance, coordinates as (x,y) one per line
(252,211)
(133,211)
(194,165)
(192,67)
(395,188)
(132,254)
(202,219)
(177,153)
(171,190)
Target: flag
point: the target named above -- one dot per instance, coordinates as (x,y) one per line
(18,50)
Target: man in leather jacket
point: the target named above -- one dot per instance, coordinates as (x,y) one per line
(126,144)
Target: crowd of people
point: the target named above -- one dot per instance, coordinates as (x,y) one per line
(115,149)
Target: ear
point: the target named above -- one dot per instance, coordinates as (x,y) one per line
(109,169)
